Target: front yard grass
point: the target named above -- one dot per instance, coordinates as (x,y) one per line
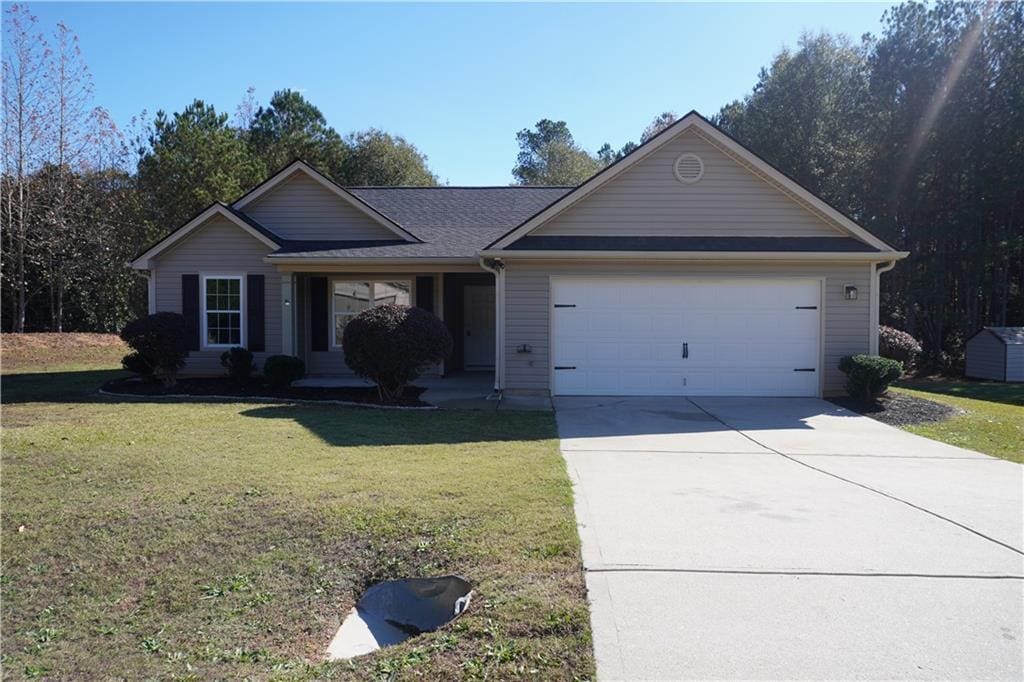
(197,540)
(993,419)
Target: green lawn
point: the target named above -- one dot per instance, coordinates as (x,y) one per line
(993,419)
(199,540)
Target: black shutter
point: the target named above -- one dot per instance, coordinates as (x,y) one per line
(318,313)
(190,308)
(255,307)
(425,293)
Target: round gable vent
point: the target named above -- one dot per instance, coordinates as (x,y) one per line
(689,168)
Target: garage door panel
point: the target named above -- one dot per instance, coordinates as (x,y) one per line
(670,323)
(744,337)
(604,353)
(636,322)
(570,351)
(601,321)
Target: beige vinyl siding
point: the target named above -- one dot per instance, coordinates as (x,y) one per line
(527,305)
(302,208)
(986,357)
(219,247)
(729,200)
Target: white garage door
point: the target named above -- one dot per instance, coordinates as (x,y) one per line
(660,336)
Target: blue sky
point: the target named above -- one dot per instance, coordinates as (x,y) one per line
(456,80)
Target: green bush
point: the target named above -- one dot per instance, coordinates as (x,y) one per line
(239,364)
(136,364)
(392,344)
(898,345)
(281,370)
(160,342)
(868,376)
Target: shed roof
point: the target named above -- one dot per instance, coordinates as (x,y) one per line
(1010,336)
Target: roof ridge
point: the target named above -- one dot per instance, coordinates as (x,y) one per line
(351,187)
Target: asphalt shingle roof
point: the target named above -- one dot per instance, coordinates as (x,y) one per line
(457,222)
(459,207)
(453,222)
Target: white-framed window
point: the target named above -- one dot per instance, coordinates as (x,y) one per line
(352,296)
(223,318)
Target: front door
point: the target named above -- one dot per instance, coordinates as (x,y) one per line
(478,327)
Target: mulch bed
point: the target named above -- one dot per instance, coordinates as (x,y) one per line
(222,386)
(897,409)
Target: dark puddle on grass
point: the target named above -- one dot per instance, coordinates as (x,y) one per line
(391,612)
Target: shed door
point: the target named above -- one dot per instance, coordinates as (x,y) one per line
(662,336)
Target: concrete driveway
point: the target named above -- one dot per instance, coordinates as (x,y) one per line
(729,538)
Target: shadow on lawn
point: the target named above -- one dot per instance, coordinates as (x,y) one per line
(354,427)
(334,424)
(992,391)
(55,387)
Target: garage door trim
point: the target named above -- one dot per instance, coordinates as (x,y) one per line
(822,310)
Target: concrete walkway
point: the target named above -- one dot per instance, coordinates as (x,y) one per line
(728,538)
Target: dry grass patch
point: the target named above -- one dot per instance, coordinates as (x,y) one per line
(44,352)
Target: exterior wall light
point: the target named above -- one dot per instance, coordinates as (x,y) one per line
(850,292)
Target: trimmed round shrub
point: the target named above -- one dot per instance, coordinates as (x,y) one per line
(391,345)
(136,364)
(869,376)
(160,342)
(281,370)
(898,345)
(239,363)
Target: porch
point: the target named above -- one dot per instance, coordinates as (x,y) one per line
(316,306)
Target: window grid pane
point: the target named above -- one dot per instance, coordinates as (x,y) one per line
(224,311)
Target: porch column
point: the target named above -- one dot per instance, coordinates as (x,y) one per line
(288,313)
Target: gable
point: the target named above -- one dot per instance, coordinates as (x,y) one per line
(215,244)
(299,207)
(642,208)
(729,200)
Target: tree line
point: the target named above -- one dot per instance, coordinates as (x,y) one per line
(917,134)
(79,196)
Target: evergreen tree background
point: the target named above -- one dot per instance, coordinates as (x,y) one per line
(917,134)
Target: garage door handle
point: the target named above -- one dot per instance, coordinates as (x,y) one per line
(686,350)
(804,369)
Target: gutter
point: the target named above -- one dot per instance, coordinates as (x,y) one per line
(869,256)
(349,260)
(496,267)
(876,297)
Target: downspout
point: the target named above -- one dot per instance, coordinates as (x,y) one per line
(497,268)
(876,297)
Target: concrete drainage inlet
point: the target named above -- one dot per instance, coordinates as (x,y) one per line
(393,611)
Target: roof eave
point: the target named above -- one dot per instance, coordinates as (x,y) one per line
(287,259)
(858,256)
